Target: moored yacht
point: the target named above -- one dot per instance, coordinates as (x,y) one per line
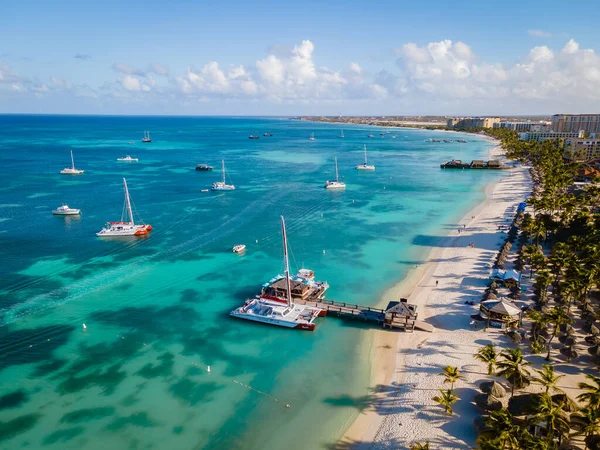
(365,165)
(146,137)
(127,159)
(312,136)
(222,185)
(125,227)
(341,136)
(253,137)
(64,210)
(204,168)
(71,170)
(335,184)
(272,312)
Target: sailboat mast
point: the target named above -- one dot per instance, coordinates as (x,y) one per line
(128,201)
(336,169)
(223,169)
(72,161)
(287,264)
(365,154)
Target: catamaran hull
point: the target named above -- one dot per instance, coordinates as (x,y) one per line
(279,323)
(363,167)
(136,230)
(71,172)
(69,213)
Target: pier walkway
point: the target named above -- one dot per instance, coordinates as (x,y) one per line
(398,315)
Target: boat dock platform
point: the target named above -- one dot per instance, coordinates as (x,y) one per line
(398,315)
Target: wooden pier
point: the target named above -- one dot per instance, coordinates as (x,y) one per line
(398,315)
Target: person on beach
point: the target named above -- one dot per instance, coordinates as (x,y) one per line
(436,283)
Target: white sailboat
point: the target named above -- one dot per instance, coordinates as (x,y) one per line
(312,136)
(146,137)
(341,134)
(335,184)
(125,228)
(128,159)
(365,165)
(288,315)
(222,185)
(71,170)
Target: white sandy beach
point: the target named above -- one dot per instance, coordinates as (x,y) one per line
(406,365)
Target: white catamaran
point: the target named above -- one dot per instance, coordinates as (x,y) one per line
(335,184)
(71,170)
(312,136)
(341,134)
(365,165)
(125,228)
(289,314)
(222,185)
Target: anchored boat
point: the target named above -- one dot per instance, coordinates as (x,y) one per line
(272,312)
(335,184)
(127,159)
(365,165)
(64,210)
(146,137)
(71,170)
(222,185)
(125,228)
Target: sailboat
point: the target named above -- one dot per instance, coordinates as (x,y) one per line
(125,227)
(335,184)
(146,137)
(71,170)
(222,185)
(272,312)
(341,134)
(365,165)
(312,136)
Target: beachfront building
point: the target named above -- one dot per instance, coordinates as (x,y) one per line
(523,126)
(582,149)
(572,123)
(500,313)
(509,278)
(472,122)
(541,136)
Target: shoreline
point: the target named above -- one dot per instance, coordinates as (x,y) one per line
(389,351)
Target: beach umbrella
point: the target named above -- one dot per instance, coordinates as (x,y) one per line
(520,405)
(488,402)
(567,403)
(593,350)
(594,329)
(589,308)
(493,388)
(570,341)
(493,285)
(594,340)
(492,296)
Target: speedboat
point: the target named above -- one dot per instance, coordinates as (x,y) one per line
(370,136)
(335,184)
(146,137)
(125,227)
(222,185)
(253,137)
(272,312)
(365,165)
(127,158)
(267,134)
(71,170)
(204,168)
(64,210)
(239,248)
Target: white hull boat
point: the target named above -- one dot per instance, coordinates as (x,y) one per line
(240,248)
(64,210)
(125,227)
(222,185)
(128,159)
(365,165)
(71,170)
(335,184)
(312,136)
(271,312)
(146,137)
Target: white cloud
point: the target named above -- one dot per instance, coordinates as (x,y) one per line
(539,33)
(158,69)
(131,83)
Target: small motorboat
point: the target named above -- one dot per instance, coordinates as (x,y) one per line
(64,210)
(253,137)
(239,248)
(268,134)
(204,168)
(204,190)
(128,159)
(371,136)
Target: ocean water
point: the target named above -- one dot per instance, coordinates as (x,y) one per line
(156,308)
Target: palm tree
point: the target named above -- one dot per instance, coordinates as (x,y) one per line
(419,446)
(556,419)
(513,367)
(500,430)
(557,317)
(451,375)
(587,422)
(548,378)
(489,356)
(592,396)
(446,399)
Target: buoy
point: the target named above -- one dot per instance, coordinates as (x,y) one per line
(208,369)
(323,251)
(257,241)
(84,326)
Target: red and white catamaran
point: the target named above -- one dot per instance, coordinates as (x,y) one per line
(273,312)
(125,228)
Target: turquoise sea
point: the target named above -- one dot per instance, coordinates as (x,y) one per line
(156,308)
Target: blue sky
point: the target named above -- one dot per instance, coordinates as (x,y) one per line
(234,57)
